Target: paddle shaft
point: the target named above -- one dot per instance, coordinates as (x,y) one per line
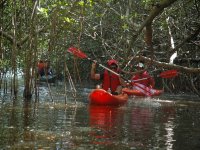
(105,67)
(80,54)
(140,79)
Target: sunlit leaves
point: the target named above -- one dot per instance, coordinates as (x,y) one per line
(148,1)
(122,17)
(81,3)
(43,11)
(68,19)
(125,26)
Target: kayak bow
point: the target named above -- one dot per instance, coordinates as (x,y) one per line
(102,97)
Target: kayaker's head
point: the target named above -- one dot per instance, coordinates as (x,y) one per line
(112,64)
(40,61)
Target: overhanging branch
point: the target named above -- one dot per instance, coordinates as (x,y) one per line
(167,65)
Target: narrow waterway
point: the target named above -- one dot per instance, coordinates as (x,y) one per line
(65,120)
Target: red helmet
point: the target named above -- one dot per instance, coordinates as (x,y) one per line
(112,61)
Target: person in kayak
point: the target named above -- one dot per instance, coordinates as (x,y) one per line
(110,82)
(143,77)
(41,66)
(44,68)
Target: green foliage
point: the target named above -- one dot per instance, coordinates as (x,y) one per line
(103,29)
(4,63)
(43,11)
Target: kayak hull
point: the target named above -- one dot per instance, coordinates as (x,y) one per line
(102,97)
(49,79)
(135,92)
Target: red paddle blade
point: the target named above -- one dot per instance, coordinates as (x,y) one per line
(77,52)
(168,74)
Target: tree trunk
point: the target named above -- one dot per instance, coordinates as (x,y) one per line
(30,54)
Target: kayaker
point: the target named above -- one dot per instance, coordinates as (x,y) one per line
(109,80)
(41,66)
(143,77)
(44,68)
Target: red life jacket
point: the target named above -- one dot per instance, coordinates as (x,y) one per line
(111,81)
(40,65)
(147,82)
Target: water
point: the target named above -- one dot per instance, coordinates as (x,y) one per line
(168,122)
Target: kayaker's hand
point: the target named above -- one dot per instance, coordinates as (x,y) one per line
(128,84)
(93,72)
(151,86)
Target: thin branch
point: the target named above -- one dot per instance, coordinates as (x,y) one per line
(167,65)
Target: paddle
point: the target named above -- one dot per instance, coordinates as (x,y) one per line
(80,54)
(168,74)
(165,74)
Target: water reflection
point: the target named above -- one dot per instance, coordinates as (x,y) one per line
(141,119)
(141,126)
(106,122)
(152,124)
(144,123)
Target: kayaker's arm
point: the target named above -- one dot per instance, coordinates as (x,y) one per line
(93,73)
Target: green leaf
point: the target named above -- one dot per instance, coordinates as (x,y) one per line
(43,11)
(81,3)
(67,19)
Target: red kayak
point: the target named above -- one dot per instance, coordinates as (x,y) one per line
(136,92)
(102,97)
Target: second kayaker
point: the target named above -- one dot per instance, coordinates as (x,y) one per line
(143,77)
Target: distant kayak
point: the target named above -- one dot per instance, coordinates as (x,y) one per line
(102,97)
(48,78)
(137,92)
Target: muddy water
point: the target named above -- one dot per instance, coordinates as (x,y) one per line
(61,121)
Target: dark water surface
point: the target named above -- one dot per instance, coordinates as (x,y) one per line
(169,122)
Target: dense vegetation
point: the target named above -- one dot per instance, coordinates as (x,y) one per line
(162,33)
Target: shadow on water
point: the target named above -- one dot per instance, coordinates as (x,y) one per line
(68,122)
